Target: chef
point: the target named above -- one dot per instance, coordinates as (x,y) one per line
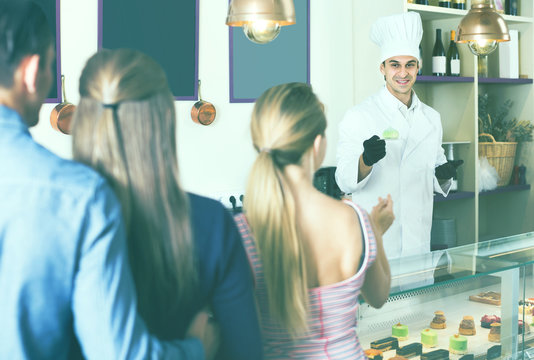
(410,163)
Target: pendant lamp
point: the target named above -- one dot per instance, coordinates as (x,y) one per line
(482,28)
(261,19)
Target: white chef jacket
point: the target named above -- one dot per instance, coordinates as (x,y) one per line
(406,172)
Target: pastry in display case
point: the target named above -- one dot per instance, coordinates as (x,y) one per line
(487,320)
(473,314)
(429,338)
(458,344)
(495,332)
(489,297)
(467,326)
(439,321)
(386,344)
(468,357)
(400,331)
(373,354)
(410,350)
(494,352)
(440,354)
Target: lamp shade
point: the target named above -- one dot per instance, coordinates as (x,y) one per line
(482,24)
(242,12)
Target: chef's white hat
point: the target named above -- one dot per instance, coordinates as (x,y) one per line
(398,35)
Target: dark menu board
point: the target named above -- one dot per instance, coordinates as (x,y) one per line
(254,68)
(167,30)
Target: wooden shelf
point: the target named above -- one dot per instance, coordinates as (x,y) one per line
(457,195)
(444,79)
(517,19)
(429,12)
(505,189)
(503,81)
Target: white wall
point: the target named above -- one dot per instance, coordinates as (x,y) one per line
(215,159)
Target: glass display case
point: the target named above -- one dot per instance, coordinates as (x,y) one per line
(457,295)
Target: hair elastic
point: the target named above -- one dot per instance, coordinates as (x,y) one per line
(265,149)
(111,106)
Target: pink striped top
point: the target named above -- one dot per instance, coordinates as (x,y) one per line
(332,318)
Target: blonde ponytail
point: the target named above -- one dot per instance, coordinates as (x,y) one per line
(270,211)
(285,121)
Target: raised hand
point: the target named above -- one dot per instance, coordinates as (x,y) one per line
(382,214)
(374,150)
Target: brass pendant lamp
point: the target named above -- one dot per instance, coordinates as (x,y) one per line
(261,19)
(482,28)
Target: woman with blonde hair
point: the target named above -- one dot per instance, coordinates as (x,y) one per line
(312,255)
(185,251)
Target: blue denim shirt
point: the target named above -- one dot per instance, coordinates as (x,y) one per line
(65,282)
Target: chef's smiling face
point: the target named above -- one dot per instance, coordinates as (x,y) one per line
(400,73)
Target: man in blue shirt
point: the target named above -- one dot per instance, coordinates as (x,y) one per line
(65,283)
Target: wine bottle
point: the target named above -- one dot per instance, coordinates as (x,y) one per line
(445,3)
(458,4)
(439,60)
(453,58)
(421,2)
(510,7)
(420,72)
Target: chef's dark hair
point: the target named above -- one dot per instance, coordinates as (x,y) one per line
(24,31)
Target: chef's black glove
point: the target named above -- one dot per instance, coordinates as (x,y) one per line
(374,150)
(448,170)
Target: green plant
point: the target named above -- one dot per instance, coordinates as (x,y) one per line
(497,124)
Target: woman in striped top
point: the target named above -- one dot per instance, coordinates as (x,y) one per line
(311,255)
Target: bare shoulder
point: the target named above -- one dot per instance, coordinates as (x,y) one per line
(339,217)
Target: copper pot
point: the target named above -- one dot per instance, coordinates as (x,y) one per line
(61,116)
(203,112)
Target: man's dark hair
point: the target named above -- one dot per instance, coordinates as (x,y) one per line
(24,31)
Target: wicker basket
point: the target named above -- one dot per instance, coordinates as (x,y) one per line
(500,155)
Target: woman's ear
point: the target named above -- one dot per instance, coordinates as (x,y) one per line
(319,150)
(29,68)
(317,144)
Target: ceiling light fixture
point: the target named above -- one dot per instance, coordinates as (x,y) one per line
(261,19)
(482,28)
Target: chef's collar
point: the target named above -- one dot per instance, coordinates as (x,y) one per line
(397,104)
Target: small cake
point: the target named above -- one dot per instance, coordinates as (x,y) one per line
(489,297)
(429,338)
(494,352)
(487,320)
(495,333)
(389,343)
(467,326)
(521,326)
(390,134)
(411,350)
(400,331)
(467,357)
(440,354)
(458,344)
(373,354)
(526,309)
(398,358)
(439,321)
